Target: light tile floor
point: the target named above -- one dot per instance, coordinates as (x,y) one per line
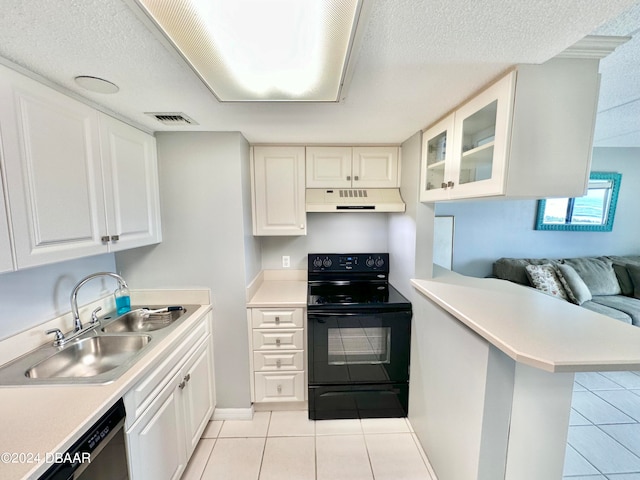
(604,430)
(286,445)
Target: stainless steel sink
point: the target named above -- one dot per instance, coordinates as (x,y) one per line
(100,355)
(141,320)
(89,357)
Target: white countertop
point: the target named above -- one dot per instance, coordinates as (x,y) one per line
(534,328)
(275,289)
(47,419)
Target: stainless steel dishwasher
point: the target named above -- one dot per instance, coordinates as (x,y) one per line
(99,454)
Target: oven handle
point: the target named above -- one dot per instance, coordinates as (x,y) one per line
(334,314)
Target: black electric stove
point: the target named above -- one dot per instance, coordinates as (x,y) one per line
(358,338)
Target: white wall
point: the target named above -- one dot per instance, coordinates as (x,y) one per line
(31,297)
(204,182)
(489,229)
(343,232)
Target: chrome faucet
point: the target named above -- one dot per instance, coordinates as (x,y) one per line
(77,324)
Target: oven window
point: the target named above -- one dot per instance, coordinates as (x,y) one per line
(362,345)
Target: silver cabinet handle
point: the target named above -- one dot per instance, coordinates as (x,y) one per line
(277,341)
(104,238)
(348,177)
(450,184)
(443,185)
(115,238)
(187,377)
(277,320)
(182,384)
(279,389)
(356,178)
(278,363)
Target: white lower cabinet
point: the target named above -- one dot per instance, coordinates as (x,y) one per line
(277,339)
(169,409)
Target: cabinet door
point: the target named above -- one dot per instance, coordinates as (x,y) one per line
(329,167)
(156,441)
(481,136)
(375,167)
(6,253)
(278,193)
(198,394)
(52,158)
(436,161)
(131,185)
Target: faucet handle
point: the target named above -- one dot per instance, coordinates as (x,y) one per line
(94,316)
(58,333)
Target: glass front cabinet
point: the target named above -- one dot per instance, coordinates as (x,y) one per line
(464,155)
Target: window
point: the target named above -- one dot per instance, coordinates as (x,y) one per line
(593,212)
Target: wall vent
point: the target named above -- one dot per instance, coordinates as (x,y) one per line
(172,118)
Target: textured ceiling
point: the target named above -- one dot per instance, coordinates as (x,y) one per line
(419,58)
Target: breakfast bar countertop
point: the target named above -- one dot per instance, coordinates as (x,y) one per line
(534,328)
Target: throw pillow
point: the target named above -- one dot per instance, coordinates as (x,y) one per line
(576,289)
(597,273)
(634,273)
(545,279)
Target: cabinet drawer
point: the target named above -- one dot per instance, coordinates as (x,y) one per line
(278,339)
(279,387)
(278,361)
(277,318)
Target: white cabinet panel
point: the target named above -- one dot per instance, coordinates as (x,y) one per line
(131,182)
(155,442)
(278,191)
(328,167)
(279,387)
(6,249)
(352,167)
(375,167)
(197,394)
(53,174)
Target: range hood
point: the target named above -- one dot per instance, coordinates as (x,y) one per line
(354,200)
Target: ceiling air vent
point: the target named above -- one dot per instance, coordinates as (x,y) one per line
(172,118)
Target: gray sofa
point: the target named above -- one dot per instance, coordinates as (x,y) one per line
(609,285)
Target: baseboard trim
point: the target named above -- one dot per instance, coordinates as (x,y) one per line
(233,413)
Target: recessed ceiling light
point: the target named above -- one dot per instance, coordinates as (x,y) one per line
(263,50)
(95,84)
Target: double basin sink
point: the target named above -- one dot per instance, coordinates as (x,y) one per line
(100,355)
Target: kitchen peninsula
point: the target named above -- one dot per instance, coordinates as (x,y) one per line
(492,372)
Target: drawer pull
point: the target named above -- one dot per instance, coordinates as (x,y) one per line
(277,320)
(277,341)
(187,377)
(279,389)
(182,384)
(278,363)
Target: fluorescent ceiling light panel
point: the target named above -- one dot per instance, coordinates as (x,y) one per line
(262,50)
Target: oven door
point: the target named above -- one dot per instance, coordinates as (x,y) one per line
(348,348)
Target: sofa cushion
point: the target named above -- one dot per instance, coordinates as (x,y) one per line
(597,273)
(634,274)
(608,311)
(545,279)
(628,305)
(626,284)
(576,289)
(513,269)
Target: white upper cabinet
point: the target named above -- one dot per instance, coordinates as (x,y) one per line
(131,182)
(328,167)
(79,183)
(352,167)
(529,135)
(278,191)
(54,177)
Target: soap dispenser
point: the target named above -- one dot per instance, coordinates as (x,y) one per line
(123,300)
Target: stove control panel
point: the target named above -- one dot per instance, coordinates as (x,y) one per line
(358,262)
